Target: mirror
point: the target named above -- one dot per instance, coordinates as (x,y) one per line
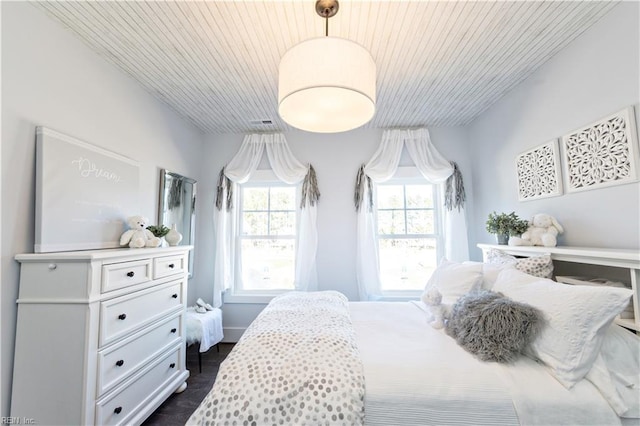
(177,206)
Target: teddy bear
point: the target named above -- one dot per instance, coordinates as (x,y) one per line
(139,236)
(543,231)
(439,311)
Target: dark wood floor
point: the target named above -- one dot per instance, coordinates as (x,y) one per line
(177,409)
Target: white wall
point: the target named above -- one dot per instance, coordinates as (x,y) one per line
(596,75)
(50,78)
(336,158)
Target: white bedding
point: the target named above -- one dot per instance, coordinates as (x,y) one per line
(417,375)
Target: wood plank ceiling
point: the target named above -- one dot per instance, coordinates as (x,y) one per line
(439,63)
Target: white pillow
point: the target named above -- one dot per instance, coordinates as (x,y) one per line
(538,266)
(616,371)
(490,272)
(498,257)
(455,279)
(576,319)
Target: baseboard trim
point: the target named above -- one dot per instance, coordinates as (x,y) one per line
(233,334)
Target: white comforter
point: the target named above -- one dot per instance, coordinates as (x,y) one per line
(417,375)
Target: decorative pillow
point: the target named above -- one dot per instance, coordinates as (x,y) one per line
(538,266)
(616,371)
(490,272)
(497,257)
(455,279)
(491,326)
(576,319)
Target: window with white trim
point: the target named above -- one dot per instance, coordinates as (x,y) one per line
(266,239)
(409,233)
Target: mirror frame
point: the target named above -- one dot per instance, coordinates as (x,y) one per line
(189,209)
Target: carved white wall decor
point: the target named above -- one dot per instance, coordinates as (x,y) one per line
(539,172)
(602,154)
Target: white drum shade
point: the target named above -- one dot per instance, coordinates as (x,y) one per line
(327,85)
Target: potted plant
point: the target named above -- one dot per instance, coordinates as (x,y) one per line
(159,231)
(504,225)
(518,227)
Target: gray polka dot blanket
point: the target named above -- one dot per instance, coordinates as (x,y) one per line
(279,372)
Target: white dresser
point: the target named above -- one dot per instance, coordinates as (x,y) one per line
(100,335)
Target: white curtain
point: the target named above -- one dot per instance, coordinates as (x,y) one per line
(382,166)
(239,170)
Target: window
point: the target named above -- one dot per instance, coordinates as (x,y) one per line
(266,238)
(409,236)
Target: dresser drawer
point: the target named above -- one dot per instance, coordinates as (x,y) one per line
(168,265)
(123,404)
(122,359)
(123,315)
(120,275)
(54,280)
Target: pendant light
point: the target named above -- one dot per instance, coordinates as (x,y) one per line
(327,84)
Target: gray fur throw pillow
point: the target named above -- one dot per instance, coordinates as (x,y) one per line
(492,326)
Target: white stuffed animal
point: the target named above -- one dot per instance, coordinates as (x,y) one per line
(439,311)
(139,236)
(543,231)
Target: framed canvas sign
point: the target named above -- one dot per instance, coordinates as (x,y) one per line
(83,194)
(602,154)
(539,172)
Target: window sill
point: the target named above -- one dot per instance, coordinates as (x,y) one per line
(404,296)
(247,298)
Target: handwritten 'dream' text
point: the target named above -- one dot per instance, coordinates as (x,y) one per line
(87,169)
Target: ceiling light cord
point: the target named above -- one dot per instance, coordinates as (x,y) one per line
(327,9)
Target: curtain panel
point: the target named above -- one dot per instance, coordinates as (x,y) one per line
(287,169)
(380,168)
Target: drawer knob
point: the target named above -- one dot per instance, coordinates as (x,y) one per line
(130,274)
(172,365)
(173,330)
(118,410)
(122,317)
(171,265)
(174,295)
(120,362)
(52,266)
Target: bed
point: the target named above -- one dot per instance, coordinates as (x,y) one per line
(315,358)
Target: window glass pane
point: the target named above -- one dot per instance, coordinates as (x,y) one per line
(254,223)
(268,264)
(419,196)
(390,222)
(406,264)
(420,222)
(283,198)
(283,223)
(390,196)
(255,198)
